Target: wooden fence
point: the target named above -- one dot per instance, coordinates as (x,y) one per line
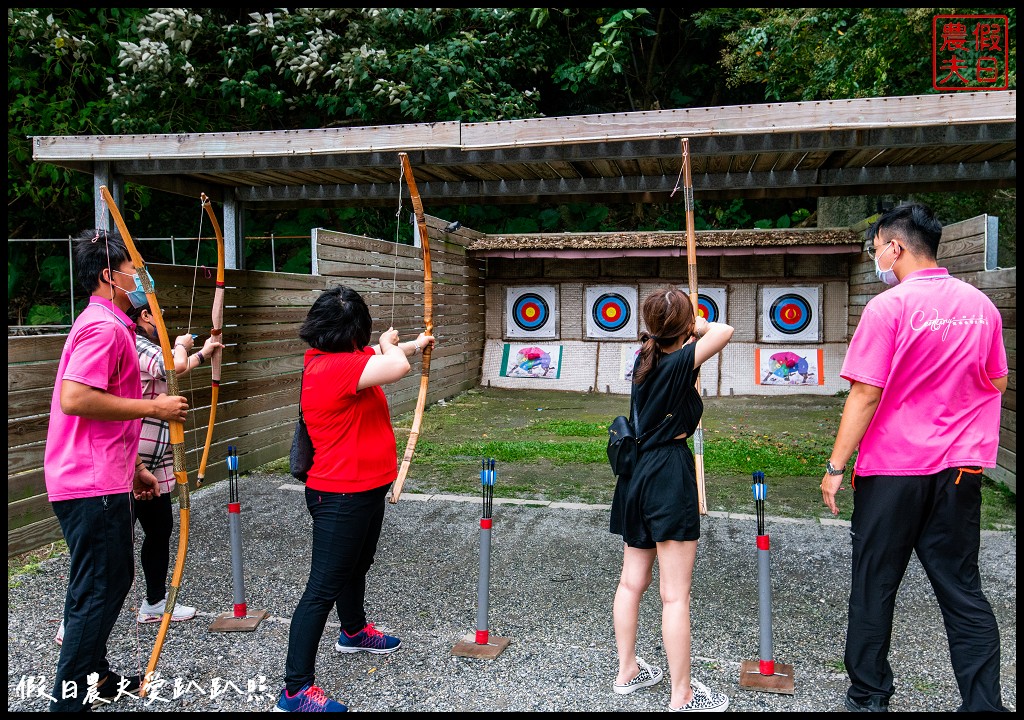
(262,360)
(967,250)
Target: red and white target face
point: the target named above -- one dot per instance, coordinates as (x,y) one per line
(790,314)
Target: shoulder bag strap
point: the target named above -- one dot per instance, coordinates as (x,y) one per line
(302,377)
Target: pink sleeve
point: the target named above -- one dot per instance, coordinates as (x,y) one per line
(996,366)
(869,357)
(91,362)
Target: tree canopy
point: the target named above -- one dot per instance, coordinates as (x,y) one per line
(189,70)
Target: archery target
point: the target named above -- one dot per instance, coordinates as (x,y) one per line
(530,312)
(790,314)
(611,312)
(711,304)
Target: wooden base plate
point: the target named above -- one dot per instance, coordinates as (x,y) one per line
(780,682)
(468,647)
(227,622)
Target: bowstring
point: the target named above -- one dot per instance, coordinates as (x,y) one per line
(398,230)
(188,329)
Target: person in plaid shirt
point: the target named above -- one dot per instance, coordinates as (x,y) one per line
(155,515)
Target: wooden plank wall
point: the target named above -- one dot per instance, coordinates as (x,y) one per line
(262,363)
(967,251)
(392,284)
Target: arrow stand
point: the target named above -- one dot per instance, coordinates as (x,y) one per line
(240,619)
(482,644)
(765,674)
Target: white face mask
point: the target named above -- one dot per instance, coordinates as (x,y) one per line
(886,276)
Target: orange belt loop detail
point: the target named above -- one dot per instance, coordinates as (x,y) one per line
(966,470)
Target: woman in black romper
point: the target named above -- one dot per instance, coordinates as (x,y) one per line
(655,511)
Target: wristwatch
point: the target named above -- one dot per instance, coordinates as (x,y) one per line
(833,470)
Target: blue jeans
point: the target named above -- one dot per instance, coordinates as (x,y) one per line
(98,532)
(346,528)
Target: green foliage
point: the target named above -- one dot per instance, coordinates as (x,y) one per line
(47,315)
(831,53)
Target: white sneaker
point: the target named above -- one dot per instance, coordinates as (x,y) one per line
(648,675)
(155,613)
(59,637)
(703,700)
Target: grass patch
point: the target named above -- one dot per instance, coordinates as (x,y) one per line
(998,505)
(551,445)
(29,563)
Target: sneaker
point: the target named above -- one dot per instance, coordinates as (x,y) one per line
(369,639)
(645,678)
(155,613)
(116,687)
(874,703)
(703,700)
(309,699)
(59,637)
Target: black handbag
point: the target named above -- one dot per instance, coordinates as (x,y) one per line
(623,443)
(300,459)
(622,446)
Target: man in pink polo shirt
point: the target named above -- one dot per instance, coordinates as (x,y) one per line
(927,368)
(91,464)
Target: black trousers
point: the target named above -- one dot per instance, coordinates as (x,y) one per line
(938,517)
(98,532)
(157,520)
(346,529)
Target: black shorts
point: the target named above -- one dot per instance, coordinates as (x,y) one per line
(660,501)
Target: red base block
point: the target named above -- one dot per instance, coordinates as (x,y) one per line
(767,667)
(481,637)
(240,610)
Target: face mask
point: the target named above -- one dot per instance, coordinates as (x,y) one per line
(137,297)
(886,276)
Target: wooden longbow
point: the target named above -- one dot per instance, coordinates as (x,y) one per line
(691,272)
(177,433)
(428,322)
(217,331)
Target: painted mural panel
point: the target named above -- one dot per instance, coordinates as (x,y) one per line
(540,361)
(790,367)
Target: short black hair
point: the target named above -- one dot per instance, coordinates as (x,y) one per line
(916,223)
(339,321)
(95,251)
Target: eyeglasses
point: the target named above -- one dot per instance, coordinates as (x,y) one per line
(872,250)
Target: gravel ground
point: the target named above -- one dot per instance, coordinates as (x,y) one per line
(554,569)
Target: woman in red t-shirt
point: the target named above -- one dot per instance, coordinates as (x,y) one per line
(346,413)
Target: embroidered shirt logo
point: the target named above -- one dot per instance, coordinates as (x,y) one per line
(919,320)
